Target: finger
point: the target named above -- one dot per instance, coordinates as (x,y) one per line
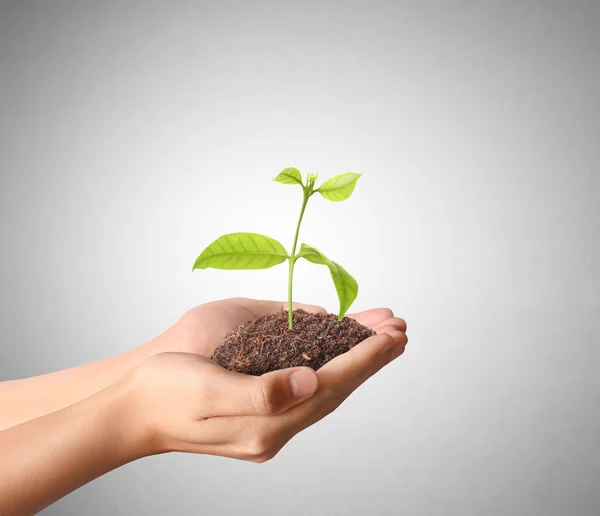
(396,323)
(372,317)
(342,375)
(228,393)
(350,369)
(386,328)
(260,308)
(337,379)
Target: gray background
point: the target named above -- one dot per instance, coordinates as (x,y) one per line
(133,133)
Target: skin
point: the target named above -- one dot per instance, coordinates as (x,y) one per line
(168,396)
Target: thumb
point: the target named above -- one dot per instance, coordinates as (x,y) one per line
(236,394)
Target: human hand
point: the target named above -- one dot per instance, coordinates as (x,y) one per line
(130,406)
(186,402)
(201,329)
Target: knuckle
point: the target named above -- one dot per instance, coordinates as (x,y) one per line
(261,448)
(264,457)
(261,399)
(387,339)
(336,395)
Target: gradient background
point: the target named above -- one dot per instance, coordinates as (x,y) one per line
(133,133)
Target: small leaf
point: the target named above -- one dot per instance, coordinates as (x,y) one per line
(339,188)
(289,176)
(345,285)
(236,251)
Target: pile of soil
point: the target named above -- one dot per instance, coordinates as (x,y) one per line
(267,344)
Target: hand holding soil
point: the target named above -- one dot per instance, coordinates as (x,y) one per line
(209,329)
(236,377)
(61,430)
(184,401)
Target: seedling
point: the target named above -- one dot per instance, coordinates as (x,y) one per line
(236,251)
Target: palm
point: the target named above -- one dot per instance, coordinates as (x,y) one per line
(203,328)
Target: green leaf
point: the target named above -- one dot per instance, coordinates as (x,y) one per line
(339,188)
(345,285)
(242,251)
(289,176)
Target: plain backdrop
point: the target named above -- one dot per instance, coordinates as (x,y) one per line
(134,133)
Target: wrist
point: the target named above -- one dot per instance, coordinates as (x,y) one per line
(125,423)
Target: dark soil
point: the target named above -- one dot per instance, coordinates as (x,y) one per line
(267,344)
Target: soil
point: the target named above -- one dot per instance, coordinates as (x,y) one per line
(267,344)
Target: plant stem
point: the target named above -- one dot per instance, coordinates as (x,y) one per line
(292,258)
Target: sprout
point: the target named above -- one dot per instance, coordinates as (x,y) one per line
(236,251)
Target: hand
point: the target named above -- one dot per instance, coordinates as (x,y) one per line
(185,402)
(97,417)
(201,329)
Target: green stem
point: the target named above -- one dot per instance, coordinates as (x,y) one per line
(292,258)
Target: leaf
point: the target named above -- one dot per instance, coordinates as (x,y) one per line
(236,251)
(345,285)
(339,188)
(289,176)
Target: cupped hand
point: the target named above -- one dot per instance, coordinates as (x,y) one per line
(182,401)
(201,329)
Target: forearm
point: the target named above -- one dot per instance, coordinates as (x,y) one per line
(44,459)
(30,398)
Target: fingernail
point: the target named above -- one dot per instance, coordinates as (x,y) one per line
(303,383)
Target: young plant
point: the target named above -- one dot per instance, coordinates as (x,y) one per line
(236,251)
